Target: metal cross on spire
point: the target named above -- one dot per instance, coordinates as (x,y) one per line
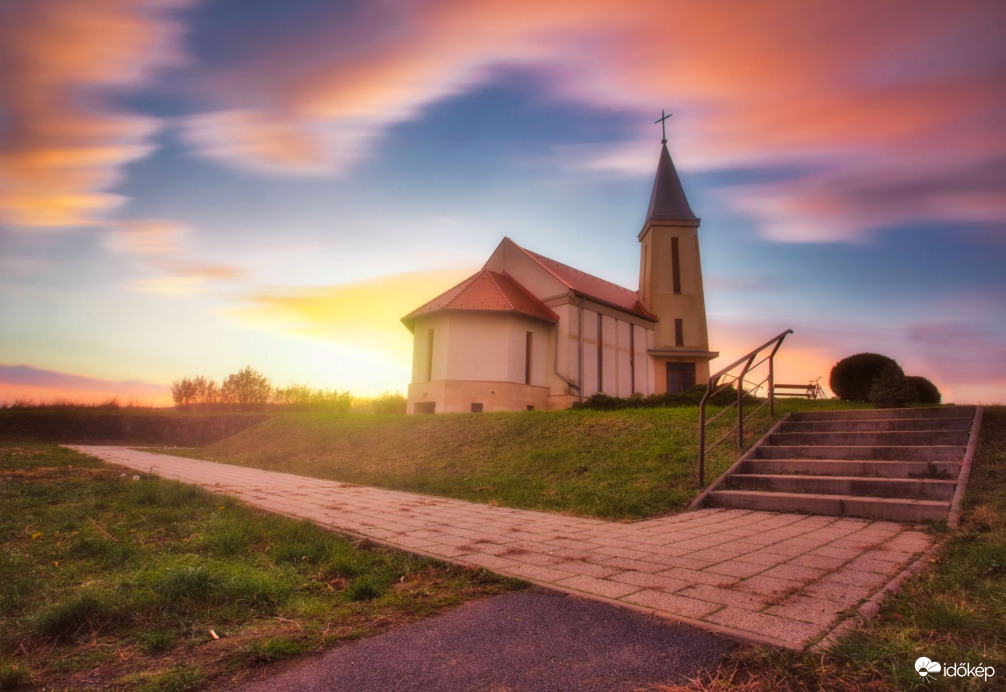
(663,125)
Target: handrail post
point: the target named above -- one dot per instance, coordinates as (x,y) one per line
(740,401)
(711,386)
(771,385)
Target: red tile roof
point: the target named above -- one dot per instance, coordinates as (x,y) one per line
(486,291)
(592,287)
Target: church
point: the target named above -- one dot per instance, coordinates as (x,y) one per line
(527,332)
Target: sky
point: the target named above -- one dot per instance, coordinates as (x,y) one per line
(189,187)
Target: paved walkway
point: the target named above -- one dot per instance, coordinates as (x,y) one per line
(781,579)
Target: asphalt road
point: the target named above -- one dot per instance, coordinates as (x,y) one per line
(532,640)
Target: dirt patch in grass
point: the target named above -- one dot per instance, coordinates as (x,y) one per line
(150,584)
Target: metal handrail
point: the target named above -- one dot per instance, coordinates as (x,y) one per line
(713,387)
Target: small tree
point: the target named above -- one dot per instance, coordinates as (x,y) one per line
(247,387)
(891,389)
(925,391)
(184,392)
(852,378)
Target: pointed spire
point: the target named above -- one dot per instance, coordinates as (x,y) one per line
(667,201)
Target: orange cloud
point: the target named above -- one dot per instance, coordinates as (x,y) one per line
(363,314)
(62,148)
(159,244)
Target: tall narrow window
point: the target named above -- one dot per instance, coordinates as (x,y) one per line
(675,265)
(632,358)
(528,342)
(600,354)
(679,332)
(429,355)
(645,272)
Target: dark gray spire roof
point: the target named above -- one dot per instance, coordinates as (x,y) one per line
(668,198)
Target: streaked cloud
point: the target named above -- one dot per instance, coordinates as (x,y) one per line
(159,244)
(38,385)
(63,145)
(879,98)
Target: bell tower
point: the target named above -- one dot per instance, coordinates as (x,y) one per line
(670,283)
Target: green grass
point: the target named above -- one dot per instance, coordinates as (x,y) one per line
(111,582)
(952,612)
(625,464)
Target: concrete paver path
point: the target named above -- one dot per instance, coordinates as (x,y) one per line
(781,579)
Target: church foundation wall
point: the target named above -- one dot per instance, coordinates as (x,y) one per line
(453,396)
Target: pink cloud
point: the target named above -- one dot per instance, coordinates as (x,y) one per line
(63,147)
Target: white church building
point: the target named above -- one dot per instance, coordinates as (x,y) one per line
(528,332)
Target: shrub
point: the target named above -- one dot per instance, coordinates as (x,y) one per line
(690,397)
(891,388)
(852,377)
(925,391)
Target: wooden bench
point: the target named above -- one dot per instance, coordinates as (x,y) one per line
(804,391)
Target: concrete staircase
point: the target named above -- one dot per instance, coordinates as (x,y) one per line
(895,464)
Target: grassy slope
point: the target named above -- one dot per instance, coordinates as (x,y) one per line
(611,464)
(107,581)
(953,612)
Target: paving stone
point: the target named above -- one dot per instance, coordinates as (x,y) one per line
(807,609)
(762,558)
(671,603)
(788,571)
(650,581)
(783,629)
(817,561)
(769,586)
(844,595)
(844,554)
(879,566)
(624,565)
(600,587)
(747,600)
(733,568)
(696,577)
(855,577)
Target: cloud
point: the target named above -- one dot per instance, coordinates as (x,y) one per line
(363,314)
(61,146)
(30,383)
(159,244)
(880,98)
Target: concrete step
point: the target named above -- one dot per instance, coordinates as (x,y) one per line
(876,425)
(911,438)
(922,489)
(886,413)
(862,453)
(833,505)
(847,467)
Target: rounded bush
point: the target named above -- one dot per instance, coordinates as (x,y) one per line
(852,377)
(925,391)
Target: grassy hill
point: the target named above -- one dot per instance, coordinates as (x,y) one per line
(613,464)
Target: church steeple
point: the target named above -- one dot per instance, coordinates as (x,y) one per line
(668,201)
(670,283)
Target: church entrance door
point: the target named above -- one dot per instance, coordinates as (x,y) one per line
(680,376)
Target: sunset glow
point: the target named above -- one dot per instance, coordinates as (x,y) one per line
(190,187)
